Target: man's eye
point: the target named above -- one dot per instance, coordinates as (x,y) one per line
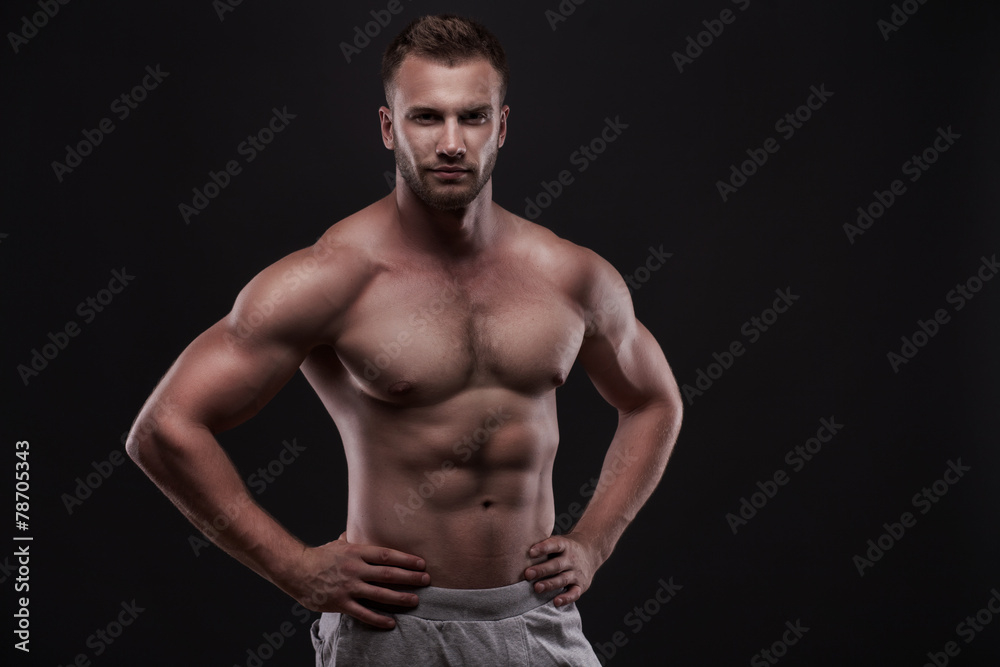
(476,117)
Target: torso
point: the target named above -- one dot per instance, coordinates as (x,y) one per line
(441,380)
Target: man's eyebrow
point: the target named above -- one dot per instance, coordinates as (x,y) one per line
(478,108)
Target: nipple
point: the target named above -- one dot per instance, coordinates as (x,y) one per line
(400,387)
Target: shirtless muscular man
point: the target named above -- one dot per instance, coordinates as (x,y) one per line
(473,576)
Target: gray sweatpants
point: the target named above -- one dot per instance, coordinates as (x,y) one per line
(511,625)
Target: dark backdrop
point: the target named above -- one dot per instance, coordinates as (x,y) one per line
(107,547)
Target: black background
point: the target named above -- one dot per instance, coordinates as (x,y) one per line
(655,185)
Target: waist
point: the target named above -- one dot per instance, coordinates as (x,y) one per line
(469,604)
(471,548)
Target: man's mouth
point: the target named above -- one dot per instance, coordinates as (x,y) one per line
(449,172)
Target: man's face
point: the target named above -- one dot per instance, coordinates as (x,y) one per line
(445,128)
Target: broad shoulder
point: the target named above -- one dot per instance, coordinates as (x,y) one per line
(307,290)
(585,276)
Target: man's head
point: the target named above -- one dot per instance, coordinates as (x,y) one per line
(445,79)
(446,39)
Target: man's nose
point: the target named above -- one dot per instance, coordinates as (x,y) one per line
(451,142)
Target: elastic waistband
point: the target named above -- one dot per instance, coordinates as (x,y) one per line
(470,604)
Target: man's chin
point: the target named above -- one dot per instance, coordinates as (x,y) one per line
(448,197)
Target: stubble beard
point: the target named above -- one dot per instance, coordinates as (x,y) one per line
(445,196)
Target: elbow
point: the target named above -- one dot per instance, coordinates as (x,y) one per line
(159,423)
(137,446)
(153,438)
(142,444)
(676,407)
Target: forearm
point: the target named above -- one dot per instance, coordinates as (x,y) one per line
(187,463)
(632,468)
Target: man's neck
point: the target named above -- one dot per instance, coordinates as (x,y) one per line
(449,234)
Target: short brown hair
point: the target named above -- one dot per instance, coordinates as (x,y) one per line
(448,39)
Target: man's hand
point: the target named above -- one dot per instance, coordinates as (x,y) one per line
(573,567)
(333,576)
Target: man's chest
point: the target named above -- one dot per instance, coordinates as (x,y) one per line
(414,335)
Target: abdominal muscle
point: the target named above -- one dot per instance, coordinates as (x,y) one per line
(465,484)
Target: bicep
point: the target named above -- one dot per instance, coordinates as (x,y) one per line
(627,365)
(229,372)
(619,354)
(222,378)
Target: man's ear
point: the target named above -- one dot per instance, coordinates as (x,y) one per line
(504,112)
(385,120)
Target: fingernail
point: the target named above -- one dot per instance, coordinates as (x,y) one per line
(426,579)
(530,574)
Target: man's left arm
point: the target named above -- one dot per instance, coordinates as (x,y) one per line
(628,368)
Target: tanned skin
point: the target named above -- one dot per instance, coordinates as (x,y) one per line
(478,316)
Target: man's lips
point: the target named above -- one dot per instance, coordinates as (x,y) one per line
(449,173)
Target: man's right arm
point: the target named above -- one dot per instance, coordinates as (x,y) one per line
(224,377)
